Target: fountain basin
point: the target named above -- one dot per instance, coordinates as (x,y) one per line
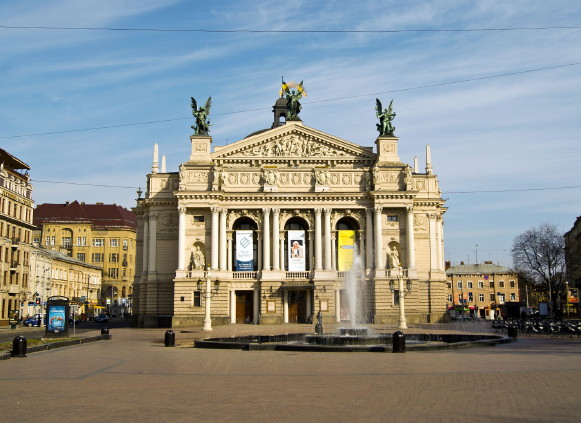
(338,343)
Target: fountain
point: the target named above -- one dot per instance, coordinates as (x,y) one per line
(355,338)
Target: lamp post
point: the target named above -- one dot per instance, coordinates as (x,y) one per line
(208,294)
(402,322)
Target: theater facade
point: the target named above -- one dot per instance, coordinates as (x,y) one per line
(267,230)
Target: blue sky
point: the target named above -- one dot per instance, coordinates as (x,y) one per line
(517,133)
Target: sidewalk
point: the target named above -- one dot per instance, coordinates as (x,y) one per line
(133,377)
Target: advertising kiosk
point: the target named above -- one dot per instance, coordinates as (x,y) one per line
(57,317)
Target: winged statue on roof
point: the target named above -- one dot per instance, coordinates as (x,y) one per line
(293,93)
(385,127)
(202,115)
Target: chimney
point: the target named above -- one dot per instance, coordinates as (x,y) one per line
(447,265)
(487,262)
(462,263)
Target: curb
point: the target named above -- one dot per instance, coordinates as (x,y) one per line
(5,355)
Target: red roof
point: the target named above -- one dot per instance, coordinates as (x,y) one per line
(99,215)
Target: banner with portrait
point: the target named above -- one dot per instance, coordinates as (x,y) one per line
(296,251)
(244,251)
(346,247)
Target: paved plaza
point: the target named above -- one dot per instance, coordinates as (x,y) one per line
(134,378)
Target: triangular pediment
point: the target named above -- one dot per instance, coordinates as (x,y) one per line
(293,141)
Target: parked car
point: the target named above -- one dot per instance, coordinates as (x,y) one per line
(102,318)
(31,321)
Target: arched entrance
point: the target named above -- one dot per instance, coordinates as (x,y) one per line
(244,259)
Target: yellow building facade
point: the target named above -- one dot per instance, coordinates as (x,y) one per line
(99,234)
(481,289)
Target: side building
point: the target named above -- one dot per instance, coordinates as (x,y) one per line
(99,234)
(270,229)
(481,289)
(16,208)
(53,273)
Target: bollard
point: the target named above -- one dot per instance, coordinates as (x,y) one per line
(170,338)
(398,341)
(512,332)
(19,347)
(105,331)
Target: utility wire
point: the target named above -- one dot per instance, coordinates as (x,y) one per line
(440,84)
(445,192)
(287,31)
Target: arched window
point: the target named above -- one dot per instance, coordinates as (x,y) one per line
(245,224)
(297,256)
(347,240)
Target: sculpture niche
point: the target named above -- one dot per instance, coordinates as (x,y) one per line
(293,104)
(385,128)
(202,115)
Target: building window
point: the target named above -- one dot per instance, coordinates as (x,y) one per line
(198,218)
(469,285)
(470,297)
(197,299)
(459,284)
(113,258)
(449,298)
(491,284)
(480,285)
(492,297)
(460,299)
(501,284)
(114,242)
(449,285)
(501,298)
(97,258)
(392,218)
(113,272)
(125,244)
(511,284)
(481,297)
(81,241)
(67,241)
(81,256)
(98,242)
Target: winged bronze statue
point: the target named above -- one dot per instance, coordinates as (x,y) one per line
(202,115)
(292,98)
(385,128)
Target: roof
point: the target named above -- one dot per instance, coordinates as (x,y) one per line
(479,268)
(99,215)
(12,162)
(57,255)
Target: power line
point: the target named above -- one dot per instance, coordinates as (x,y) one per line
(445,192)
(289,31)
(440,84)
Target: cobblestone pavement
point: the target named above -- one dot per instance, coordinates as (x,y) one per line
(135,378)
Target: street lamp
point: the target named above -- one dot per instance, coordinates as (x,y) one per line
(209,293)
(402,323)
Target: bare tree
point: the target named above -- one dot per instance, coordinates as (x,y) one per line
(539,254)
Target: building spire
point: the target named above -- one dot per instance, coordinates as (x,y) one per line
(155,167)
(428,160)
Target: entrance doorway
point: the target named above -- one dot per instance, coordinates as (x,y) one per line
(297,306)
(244,307)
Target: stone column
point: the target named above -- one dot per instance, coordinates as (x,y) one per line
(275,240)
(256,305)
(285,306)
(328,239)
(223,251)
(338,305)
(318,248)
(379,259)
(145,244)
(215,237)
(309,305)
(152,242)
(442,263)
(368,238)
(410,237)
(333,252)
(229,264)
(266,239)
(232,306)
(282,253)
(433,242)
(181,238)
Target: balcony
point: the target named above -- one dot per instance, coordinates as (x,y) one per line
(14,264)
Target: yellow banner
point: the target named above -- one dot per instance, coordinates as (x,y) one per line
(346,245)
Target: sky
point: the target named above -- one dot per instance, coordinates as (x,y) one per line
(493,86)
